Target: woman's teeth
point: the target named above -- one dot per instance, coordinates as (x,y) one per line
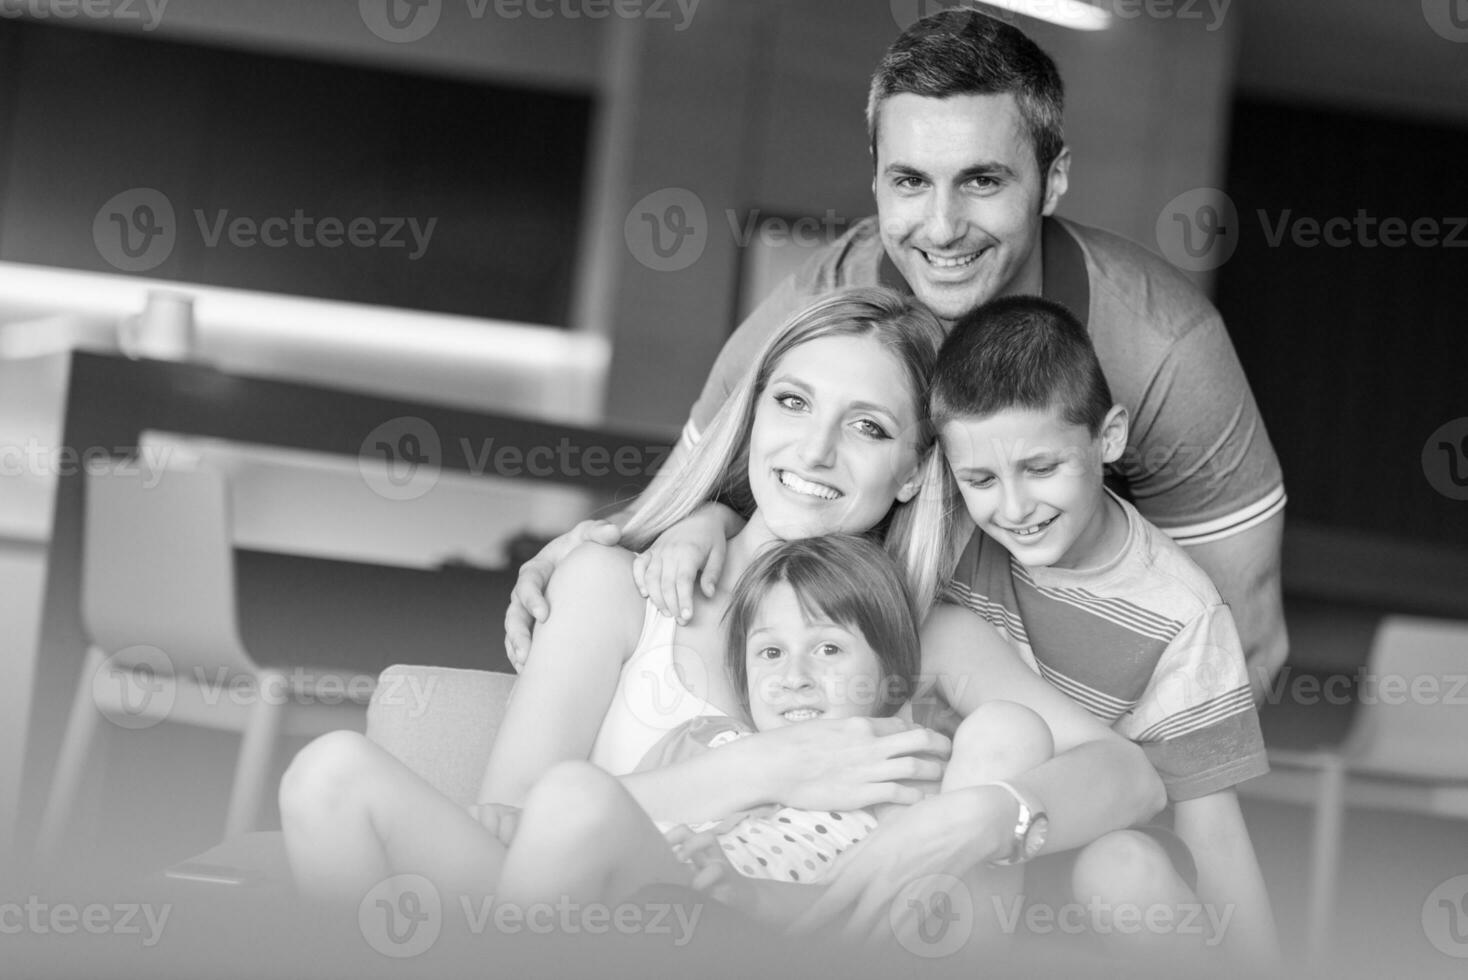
(806,487)
(801,714)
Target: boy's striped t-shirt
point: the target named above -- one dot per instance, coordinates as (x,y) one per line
(1143,642)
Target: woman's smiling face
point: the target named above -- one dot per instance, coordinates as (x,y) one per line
(833,442)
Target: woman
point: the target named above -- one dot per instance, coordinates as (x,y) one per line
(827,433)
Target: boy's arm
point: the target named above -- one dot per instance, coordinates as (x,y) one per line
(1229,880)
(1098,781)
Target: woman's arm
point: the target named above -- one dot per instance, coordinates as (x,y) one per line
(564,690)
(817,765)
(1097,781)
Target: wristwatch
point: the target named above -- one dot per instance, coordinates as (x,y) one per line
(1029,830)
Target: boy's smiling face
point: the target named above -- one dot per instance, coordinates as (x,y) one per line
(1034,482)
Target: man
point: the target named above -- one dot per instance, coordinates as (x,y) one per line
(969,160)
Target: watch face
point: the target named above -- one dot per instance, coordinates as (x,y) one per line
(1035,836)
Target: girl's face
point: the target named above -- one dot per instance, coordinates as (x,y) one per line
(801,669)
(833,439)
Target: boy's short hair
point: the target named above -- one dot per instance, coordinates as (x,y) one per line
(1020,352)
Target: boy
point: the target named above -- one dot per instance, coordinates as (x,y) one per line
(1107,608)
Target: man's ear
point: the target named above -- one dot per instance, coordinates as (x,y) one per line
(1114,431)
(1057,182)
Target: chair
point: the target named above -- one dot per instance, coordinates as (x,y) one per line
(1407,748)
(158,606)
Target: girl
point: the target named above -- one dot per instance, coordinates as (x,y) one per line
(816,628)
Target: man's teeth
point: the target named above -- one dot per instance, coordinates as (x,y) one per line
(939,262)
(805,486)
(801,714)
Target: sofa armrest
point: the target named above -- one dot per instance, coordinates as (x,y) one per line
(440,721)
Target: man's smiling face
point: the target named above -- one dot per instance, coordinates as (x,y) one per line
(960,198)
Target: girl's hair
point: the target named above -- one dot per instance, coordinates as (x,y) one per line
(917,533)
(843,578)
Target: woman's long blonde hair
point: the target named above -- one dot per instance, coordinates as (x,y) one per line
(917,533)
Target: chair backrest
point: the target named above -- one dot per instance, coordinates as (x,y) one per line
(1412,716)
(440,722)
(158,567)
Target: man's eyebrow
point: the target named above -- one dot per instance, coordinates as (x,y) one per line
(985,169)
(989,169)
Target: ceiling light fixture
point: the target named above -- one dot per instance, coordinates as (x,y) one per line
(1075,14)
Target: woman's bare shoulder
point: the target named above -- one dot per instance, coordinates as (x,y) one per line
(597,580)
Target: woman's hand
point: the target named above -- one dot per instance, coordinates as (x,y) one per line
(527,602)
(891,879)
(665,571)
(851,763)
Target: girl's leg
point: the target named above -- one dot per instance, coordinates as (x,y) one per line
(354,815)
(584,838)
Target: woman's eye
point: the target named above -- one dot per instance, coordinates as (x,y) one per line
(1045,470)
(872,429)
(793,402)
(768,653)
(982,483)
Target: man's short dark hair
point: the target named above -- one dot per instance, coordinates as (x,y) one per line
(1020,352)
(964,52)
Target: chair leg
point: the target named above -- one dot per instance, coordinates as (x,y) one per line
(257,750)
(71,764)
(1325,860)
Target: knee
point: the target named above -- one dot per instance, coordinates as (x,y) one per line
(1005,738)
(1123,866)
(576,797)
(325,774)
